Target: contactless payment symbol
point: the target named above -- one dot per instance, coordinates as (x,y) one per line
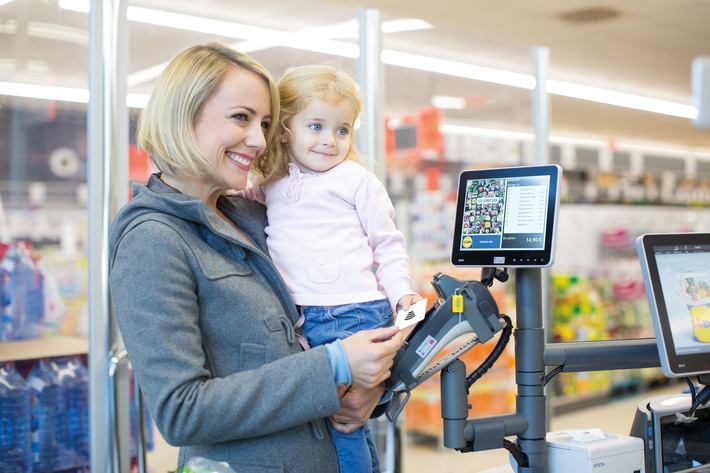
(467,242)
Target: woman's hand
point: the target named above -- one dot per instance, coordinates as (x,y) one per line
(370,354)
(356,406)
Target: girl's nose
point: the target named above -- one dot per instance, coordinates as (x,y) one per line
(328,139)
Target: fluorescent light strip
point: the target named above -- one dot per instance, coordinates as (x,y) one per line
(263,37)
(44,92)
(62,94)
(458,69)
(621,99)
(555,139)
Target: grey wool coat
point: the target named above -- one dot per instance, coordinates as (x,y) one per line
(208,325)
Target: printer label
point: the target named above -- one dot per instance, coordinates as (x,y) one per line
(426,346)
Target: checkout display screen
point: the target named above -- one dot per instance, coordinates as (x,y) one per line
(506,216)
(684,273)
(685,446)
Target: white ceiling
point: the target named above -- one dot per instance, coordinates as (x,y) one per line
(647,50)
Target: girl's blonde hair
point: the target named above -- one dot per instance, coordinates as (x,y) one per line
(297,88)
(166,130)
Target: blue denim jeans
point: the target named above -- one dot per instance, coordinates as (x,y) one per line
(356,451)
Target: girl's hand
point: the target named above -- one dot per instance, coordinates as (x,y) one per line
(407,300)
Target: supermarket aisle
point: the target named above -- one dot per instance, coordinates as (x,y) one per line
(615,417)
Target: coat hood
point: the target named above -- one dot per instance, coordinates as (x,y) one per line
(158,197)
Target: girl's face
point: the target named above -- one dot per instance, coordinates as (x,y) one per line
(320,135)
(231,128)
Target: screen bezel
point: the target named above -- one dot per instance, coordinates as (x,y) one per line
(672,363)
(502,257)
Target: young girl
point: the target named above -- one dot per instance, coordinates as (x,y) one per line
(330,223)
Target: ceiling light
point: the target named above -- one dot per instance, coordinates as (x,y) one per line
(621,99)
(447,102)
(449,129)
(307,41)
(58,33)
(458,69)
(137,100)
(82,6)
(45,92)
(404,25)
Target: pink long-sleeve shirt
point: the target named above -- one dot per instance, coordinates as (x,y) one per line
(328,230)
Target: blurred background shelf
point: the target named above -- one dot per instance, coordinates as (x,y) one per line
(43,348)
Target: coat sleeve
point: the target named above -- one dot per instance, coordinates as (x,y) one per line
(158,311)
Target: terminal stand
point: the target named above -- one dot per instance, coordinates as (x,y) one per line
(532,355)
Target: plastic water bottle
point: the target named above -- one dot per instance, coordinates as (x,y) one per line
(23,294)
(47,424)
(7,265)
(73,379)
(15,454)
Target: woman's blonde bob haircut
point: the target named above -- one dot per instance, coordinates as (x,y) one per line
(297,89)
(166,130)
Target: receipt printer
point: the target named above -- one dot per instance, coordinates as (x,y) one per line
(593,451)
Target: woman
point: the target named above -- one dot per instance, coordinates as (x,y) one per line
(208,323)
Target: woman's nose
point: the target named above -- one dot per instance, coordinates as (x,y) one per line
(256,138)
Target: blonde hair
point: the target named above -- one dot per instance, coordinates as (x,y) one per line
(166,130)
(297,89)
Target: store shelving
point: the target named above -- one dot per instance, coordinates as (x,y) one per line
(48,347)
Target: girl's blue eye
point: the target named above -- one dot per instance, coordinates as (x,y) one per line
(343,131)
(315,126)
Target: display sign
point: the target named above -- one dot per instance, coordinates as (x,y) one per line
(505,217)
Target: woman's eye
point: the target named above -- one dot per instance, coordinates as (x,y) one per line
(240,117)
(265,125)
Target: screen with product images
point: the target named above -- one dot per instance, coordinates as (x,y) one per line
(676,271)
(505,217)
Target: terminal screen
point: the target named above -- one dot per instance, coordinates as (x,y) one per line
(676,269)
(505,217)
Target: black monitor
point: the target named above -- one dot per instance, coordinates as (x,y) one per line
(505,217)
(676,272)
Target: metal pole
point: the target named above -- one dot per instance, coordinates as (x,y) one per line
(370,143)
(107,138)
(541,129)
(370,136)
(530,368)
(540,104)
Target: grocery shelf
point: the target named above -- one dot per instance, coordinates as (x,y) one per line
(43,348)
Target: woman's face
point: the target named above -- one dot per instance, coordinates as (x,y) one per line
(231,128)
